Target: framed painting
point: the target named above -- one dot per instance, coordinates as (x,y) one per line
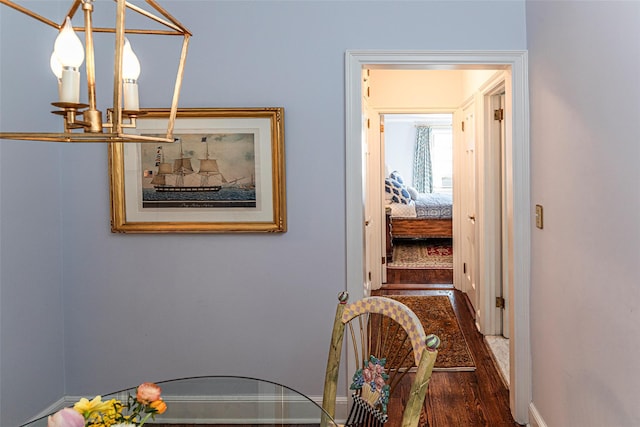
(223,173)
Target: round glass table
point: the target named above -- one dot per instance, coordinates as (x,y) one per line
(227,400)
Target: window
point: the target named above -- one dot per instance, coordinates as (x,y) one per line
(442,159)
(400,140)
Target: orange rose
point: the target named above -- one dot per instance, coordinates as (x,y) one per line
(148,392)
(159,406)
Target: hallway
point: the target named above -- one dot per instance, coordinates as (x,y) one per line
(470,399)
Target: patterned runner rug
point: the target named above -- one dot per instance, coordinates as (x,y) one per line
(422,254)
(437,317)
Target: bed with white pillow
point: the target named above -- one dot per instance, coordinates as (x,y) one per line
(417,215)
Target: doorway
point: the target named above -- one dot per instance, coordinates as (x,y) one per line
(517,159)
(416,152)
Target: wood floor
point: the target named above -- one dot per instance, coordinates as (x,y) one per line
(454,399)
(409,276)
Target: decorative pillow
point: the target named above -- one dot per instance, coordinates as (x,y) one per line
(399,193)
(413,192)
(396,175)
(387,193)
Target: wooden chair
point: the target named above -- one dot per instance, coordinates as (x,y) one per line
(389,343)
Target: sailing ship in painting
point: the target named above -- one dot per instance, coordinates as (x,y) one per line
(189,172)
(182,166)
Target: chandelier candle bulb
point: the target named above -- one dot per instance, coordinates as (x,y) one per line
(56,68)
(70,85)
(69,52)
(131,100)
(130,74)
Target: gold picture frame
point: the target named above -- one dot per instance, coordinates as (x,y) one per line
(224,173)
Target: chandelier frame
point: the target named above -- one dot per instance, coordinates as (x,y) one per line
(91,128)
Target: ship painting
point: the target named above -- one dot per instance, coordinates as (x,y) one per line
(182,167)
(189,172)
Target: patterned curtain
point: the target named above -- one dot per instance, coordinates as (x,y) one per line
(422,175)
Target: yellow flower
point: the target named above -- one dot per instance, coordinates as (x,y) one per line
(96,407)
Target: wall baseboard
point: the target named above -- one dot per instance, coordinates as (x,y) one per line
(231,409)
(535,419)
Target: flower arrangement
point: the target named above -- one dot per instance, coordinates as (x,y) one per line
(372,382)
(112,413)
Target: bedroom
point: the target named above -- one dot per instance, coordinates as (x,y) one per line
(419,196)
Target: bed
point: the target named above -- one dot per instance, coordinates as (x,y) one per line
(428,216)
(413,215)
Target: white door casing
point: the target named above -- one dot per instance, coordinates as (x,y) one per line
(517,175)
(376,144)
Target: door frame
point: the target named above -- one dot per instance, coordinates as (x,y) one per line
(518,197)
(377,144)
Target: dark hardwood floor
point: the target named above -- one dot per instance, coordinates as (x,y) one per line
(410,276)
(454,399)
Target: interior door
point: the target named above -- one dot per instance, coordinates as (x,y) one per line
(504,283)
(381,215)
(468,211)
(373,182)
(368,208)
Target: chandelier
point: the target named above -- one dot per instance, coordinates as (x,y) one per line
(83,122)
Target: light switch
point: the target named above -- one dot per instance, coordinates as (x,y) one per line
(539,216)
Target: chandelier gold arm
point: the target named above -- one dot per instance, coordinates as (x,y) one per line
(30,13)
(176,92)
(117,69)
(73,9)
(174,24)
(92,115)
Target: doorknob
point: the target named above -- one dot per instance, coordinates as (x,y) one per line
(366,223)
(471,217)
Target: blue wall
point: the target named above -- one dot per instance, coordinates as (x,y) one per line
(31,308)
(585,102)
(152,307)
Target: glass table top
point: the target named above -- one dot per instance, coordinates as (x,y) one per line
(227,400)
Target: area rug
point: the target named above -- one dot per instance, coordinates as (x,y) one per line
(437,317)
(422,254)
